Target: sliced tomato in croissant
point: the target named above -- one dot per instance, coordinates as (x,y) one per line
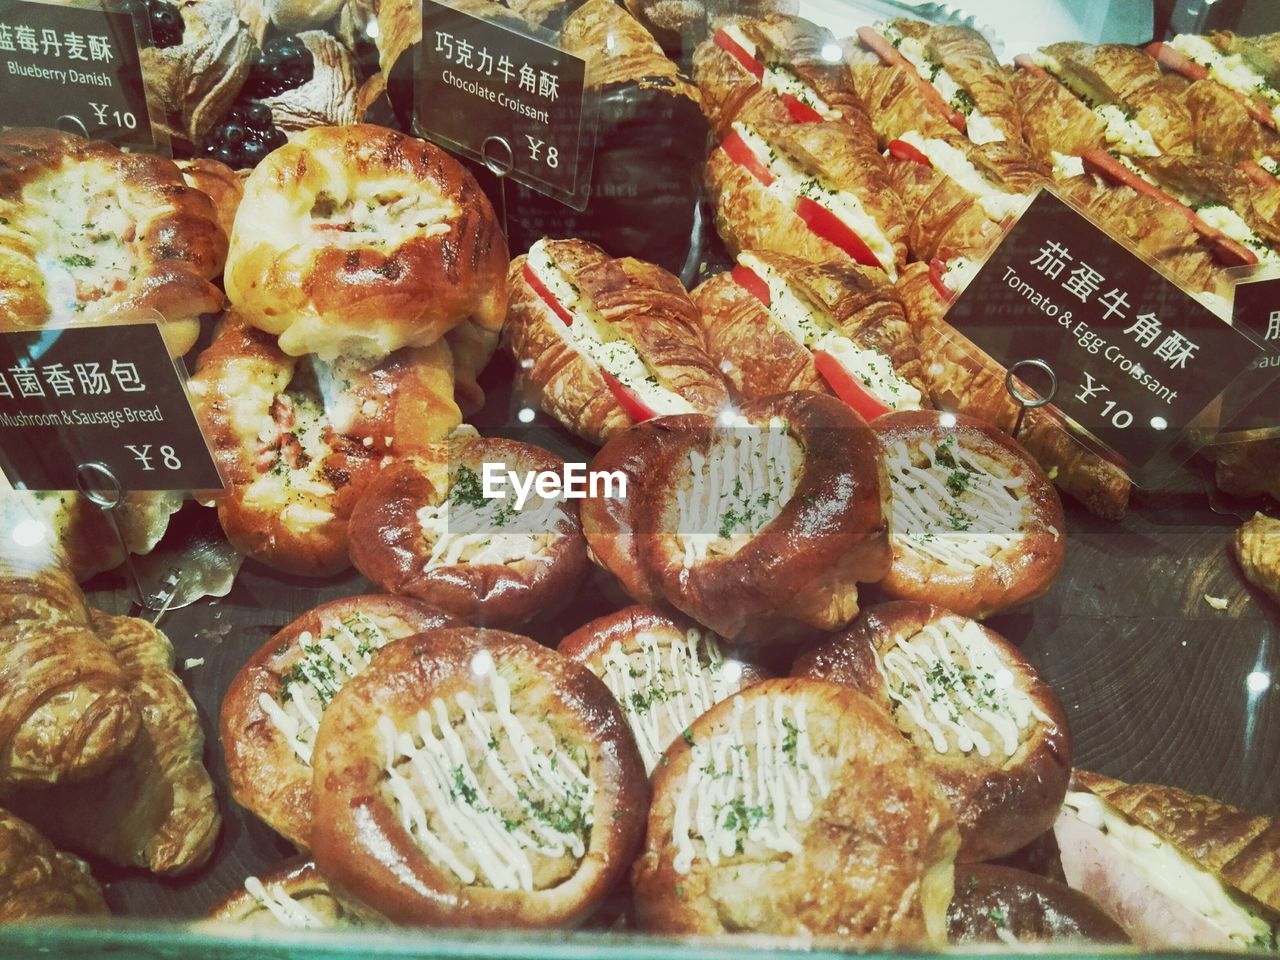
(1025,62)
(741,154)
(547,296)
(937,273)
(848,387)
(628,399)
(834,230)
(800,111)
(1179,62)
(901,150)
(739,53)
(750,281)
(890,54)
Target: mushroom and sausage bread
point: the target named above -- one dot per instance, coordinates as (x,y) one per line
(294,895)
(425,528)
(996,904)
(474,778)
(794,808)
(275,704)
(759,525)
(977,715)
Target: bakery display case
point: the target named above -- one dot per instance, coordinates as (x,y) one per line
(679,485)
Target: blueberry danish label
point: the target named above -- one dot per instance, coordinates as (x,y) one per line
(1139,362)
(73,68)
(497,93)
(84,395)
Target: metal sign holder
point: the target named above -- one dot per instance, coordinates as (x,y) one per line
(1034,401)
(499,168)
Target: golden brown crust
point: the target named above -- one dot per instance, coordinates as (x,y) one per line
(1001,802)
(1020,570)
(1256,546)
(219,183)
(366,286)
(1224,128)
(634,56)
(761,359)
(1240,849)
(893,98)
(359,839)
(288,500)
(154,807)
(1247,469)
(994,902)
(749,216)
(167,234)
(801,569)
(644,304)
(390,547)
(266,774)
(1053,118)
(37,881)
(299,881)
(874,865)
(967,56)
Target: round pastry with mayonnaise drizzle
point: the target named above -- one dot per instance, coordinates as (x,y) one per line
(993,734)
(759,524)
(475,778)
(977,526)
(295,895)
(426,528)
(795,808)
(665,671)
(274,705)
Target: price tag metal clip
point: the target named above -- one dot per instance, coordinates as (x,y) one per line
(1035,400)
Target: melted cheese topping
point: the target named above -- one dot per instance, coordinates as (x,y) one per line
(1230,70)
(779,79)
(1173,874)
(287,911)
(952,684)
(951,508)
(377,212)
(979,128)
(326,664)
(664,688)
(790,183)
(84,226)
(735,489)
(471,528)
(476,813)
(758,789)
(946,159)
(597,340)
(812,328)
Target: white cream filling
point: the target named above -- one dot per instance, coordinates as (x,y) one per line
(790,184)
(1223,218)
(594,337)
(1230,70)
(953,512)
(780,80)
(1169,871)
(948,160)
(736,793)
(287,911)
(1270,164)
(486,831)
(326,664)
(953,685)
(959,271)
(663,691)
(1065,166)
(1121,131)
(736,489)
(813,329)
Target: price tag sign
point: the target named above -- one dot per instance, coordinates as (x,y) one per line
(73,68)
(1257,309)
(110,395)
(495,92)
(1137,359)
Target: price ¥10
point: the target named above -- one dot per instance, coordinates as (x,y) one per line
(104,116)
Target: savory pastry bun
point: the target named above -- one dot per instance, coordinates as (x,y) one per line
(1256,547)
(297,440)
(36,880)
(1175,870)
(664,671)
(274,706)
(424,528)
(977,526)
(606,343)
(360,239)
(995,904)
(772,69)
(475,778)
(814,190)
(759,526)
(794,808)
(777,323)
(219,183)
(88,232)
(978,717)
(295,895)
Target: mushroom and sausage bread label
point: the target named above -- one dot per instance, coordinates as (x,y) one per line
(1138,360)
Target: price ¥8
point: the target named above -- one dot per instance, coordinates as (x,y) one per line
(166,455)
